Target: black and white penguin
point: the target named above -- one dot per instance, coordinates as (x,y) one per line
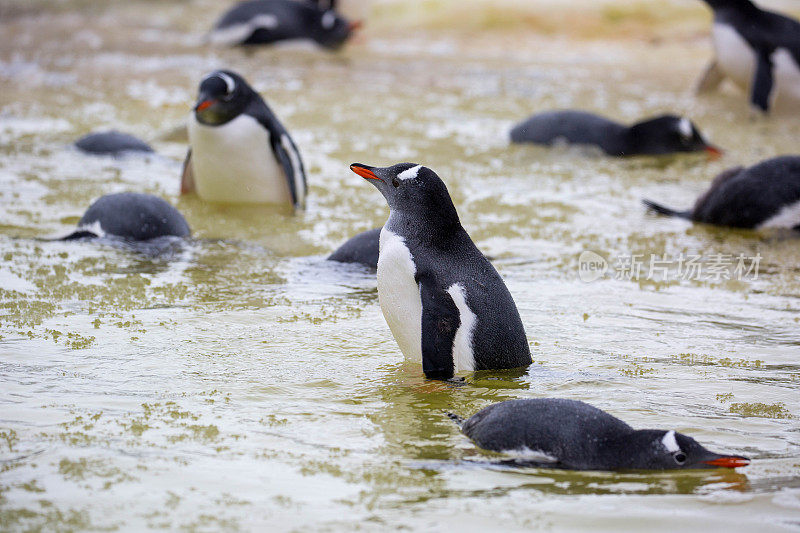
(131,216)
(258,22)
(573,435)
(446,305)
(112,143)
(361,249)
(766,195)
(655,136)
(239,151)
(758,50)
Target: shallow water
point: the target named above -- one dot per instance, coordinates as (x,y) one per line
(240,381)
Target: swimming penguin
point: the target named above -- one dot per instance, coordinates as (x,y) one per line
(573,435)
(239,151)
(257,22)
(766,195)
(111,143)
(445,303)
(655,136)
(758,50)
(132,216)
(361,249)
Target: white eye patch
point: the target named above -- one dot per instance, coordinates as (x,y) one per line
(409,174)
(670,443)
(328,19)
(230,84)
(685,128)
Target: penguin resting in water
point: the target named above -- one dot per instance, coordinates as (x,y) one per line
(573,435)
(766,195)
(446,305)
(132,216)
(361,249)
(112,142)
(655,136)
(239,151)
(258,22)
(758,50)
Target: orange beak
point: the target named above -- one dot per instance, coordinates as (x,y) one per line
(729,462)
(363,172)
(714,152)
(355,25)
(205,104)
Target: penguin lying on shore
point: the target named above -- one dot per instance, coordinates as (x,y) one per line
(573,435)
(766,195)
(130,216)
(259,22)
(239,151)
(446,305)
(112,143)
(655,136)
(361,249)
(758,50)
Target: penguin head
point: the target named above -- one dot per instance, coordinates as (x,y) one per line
(411,189)
(222,96)
(669,450)
(741,4)
(331,30)
(668,134)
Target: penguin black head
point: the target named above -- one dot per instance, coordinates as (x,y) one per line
(668,450)
(331,30)
(412,190)
(736,4)
(668,134)
(223,95)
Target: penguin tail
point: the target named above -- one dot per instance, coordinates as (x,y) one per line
(662,210)
(78,234)
(455,418)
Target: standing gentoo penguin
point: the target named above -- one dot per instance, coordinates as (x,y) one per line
(111,142)
(239,151)
(573,435)
(132,216)
(766,195)
(445,303)
(759,50)
(665,134)
(258,22)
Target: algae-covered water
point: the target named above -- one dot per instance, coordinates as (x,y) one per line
(240,381)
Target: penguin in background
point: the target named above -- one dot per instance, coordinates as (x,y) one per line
(758,50)
(263,22)
(239,152)
(444,302)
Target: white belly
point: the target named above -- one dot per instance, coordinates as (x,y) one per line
(234,163)
(398,294)
(788,217)
(738,61)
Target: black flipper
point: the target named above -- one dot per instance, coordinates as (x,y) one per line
(662,210)
(79,234)
(762,83)
(292,168)
(440,321)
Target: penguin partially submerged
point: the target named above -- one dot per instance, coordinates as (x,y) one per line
(260,22)
(239,151)
(446,305)
(766,195)
(362,249)
(573,435)
(112,143)
(758,50)
(131,216)
(660,135)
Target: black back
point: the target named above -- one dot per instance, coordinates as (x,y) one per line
(748,197)
(361,249)
(763,30)
(655,136)
(295,20)
(111,143)
(134,216)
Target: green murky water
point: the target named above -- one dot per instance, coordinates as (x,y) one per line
(242,382)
